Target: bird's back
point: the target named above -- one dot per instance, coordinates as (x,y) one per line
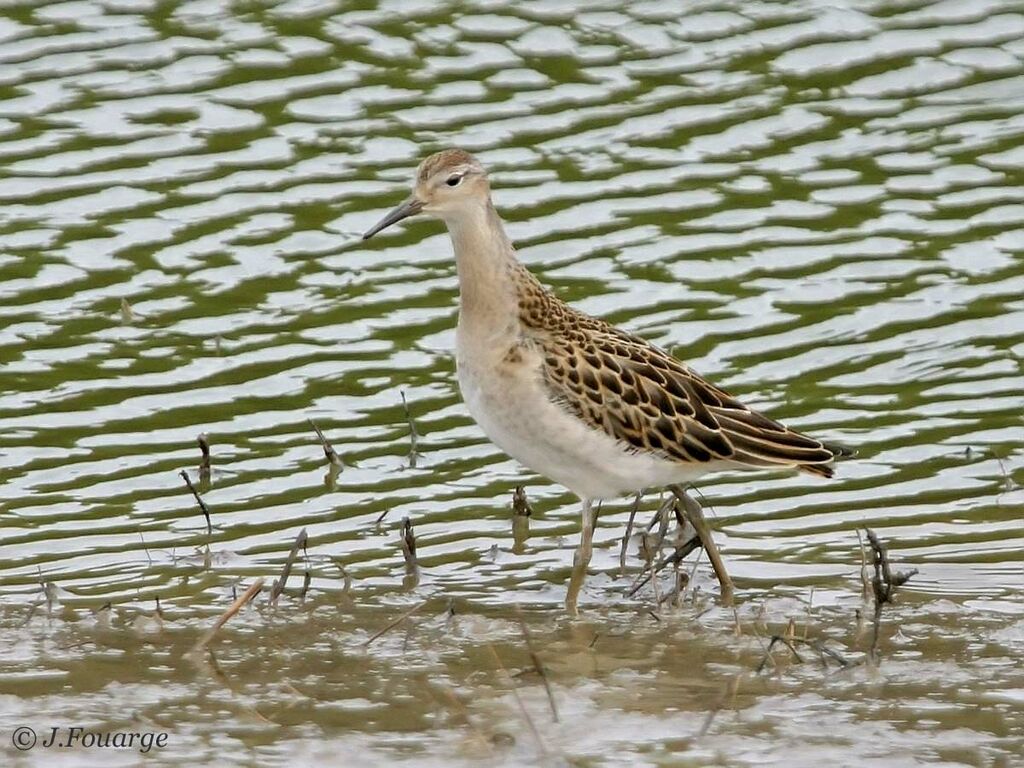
(627,388)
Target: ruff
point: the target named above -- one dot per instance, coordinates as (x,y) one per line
(597,409)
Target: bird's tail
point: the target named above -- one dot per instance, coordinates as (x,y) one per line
(839,453)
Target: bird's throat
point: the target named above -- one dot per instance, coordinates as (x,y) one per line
(486,263)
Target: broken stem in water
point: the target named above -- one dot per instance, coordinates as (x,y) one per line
(395,623)
(414,436)
(332,456)
(300,543)
(537,665)
(202,504)
(409,545)
(629,532)
(695,515)
(884,584)
(234,608)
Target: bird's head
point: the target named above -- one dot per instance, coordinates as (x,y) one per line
(447,184)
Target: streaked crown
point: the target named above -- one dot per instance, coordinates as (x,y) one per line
(448,161)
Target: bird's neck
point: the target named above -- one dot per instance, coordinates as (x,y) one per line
(488,271)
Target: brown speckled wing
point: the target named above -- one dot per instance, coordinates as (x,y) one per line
(647,399)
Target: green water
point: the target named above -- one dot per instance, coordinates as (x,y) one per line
(817,205)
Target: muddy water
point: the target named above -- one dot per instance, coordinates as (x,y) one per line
(818,205)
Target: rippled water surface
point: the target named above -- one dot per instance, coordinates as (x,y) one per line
(818,205)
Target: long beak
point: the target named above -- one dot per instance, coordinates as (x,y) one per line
(410,207)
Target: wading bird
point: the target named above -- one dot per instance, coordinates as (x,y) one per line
(597,409)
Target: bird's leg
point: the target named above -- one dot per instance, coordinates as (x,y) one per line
(581,559)
(695,514)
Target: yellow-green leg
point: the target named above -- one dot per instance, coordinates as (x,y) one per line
(581,559)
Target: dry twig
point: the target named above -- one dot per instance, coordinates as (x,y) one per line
(332,456)
(884,584)
(539,667)
(409,545)
(629,532)
(202,504)
(519,701)
(300,543)
(234,608)
(520,504)
(791,643)
(865,582)
(395,623)
(414,436)
(676,557)
(204,466)
(695,515)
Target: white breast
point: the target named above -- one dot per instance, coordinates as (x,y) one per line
(505,395)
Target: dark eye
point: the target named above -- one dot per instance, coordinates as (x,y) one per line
(453,181)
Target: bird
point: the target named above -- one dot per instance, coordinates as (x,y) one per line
(592,407)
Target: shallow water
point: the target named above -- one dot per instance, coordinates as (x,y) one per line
(817,205)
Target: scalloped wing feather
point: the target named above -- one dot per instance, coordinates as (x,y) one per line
(647,399)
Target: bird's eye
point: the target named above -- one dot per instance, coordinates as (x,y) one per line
(453,181)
